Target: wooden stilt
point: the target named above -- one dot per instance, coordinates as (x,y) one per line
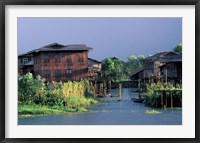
(95,86)
(171,101)
(101,88)
(120,90)
(104,87)
(162,99)
(165,100)
(181,100)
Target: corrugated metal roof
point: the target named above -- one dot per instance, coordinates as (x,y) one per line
(177,58)
(158,55)
(94,60)
(137,71)
(58,47)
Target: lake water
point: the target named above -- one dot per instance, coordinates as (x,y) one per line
(112,112)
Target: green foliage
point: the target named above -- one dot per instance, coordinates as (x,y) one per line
(26,88)
(74,102)
(133,64)
(178,49)
(152,96)
(38,110)
(118,70)
(152,112)
(108,69)
(68,94)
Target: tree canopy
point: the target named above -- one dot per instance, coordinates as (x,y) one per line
(117,70)
(178,49)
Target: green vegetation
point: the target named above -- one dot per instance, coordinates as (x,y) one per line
(178,49)
(153,98)
(35,97)
(38,110)
(152,112)
(116,70)
(132,65)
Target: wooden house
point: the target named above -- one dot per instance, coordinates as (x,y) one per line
(25,64)
(137,75)
(57,62)
(94,69)
(171,70)
(151,66)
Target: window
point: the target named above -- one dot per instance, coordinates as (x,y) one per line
(58,75)
(68,59)
(80,58)
(57,58)
(47,73)
(46,58)
(69,71)
(19,61)
(58,72)
(25,60)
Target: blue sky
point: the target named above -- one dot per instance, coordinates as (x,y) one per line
(119,37)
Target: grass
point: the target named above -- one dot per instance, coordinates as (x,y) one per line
(41,110)
(152,112)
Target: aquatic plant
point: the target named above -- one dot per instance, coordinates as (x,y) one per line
(152,112)
(153,97)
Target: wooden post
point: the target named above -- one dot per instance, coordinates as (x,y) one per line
(139,84)
(166,76)
(166,100)
(120,91)
(181,99)
(109,84)
(171,101)
(162,99)
(95,86)
(104,87)
(149,78)
(101,88)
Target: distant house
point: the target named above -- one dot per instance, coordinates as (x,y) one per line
(137,75)
(151,65)
(172,69)
(25,64)
(94,69)
(57,62)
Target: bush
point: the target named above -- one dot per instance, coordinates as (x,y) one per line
(70,94)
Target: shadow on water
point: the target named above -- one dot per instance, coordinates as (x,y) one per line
(112,112)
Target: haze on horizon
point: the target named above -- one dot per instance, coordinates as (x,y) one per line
(119,37)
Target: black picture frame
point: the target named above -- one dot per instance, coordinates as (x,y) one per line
(100,2)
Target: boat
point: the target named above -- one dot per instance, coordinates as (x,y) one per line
(139,100)
(104,95)
(136,90)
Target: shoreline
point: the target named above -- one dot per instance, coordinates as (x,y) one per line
(32,110)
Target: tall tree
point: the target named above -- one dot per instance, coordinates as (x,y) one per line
(118,70)
(133,64)
(108,69)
